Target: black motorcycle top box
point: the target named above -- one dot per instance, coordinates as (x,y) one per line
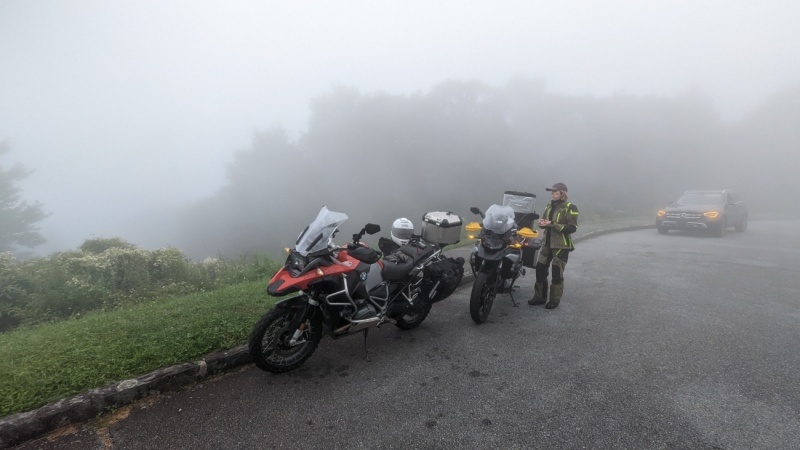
(442,228)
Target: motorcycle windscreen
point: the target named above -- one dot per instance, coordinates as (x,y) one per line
(499,219)
(319,233)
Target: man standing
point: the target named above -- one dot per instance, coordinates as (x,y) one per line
(559,221)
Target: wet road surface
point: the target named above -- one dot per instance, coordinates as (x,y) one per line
(661,341)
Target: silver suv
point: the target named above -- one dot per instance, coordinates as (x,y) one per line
(713,211)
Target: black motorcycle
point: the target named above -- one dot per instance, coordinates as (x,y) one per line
(501,249)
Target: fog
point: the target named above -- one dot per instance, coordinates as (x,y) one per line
(222,127)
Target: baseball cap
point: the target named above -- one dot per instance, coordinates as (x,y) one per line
(558,187)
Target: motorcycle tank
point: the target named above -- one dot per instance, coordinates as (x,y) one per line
(319,233)
(373,276)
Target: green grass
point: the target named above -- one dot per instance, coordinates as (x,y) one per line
(50,362)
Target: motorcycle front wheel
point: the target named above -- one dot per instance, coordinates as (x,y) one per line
(483,292)
(269,342)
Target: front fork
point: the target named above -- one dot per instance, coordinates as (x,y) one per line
(297,334)
(299,321)
(478,264)
(475,261)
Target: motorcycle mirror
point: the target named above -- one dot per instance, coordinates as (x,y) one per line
(372,228)
(474,210)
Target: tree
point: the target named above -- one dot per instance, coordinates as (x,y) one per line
(18,218)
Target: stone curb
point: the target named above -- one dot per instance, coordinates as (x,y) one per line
(21,427)
(18,428)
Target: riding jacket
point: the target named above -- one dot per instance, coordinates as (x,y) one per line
(564,216)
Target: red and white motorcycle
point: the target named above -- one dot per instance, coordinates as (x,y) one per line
(347,289)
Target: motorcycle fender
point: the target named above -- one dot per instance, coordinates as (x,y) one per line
(490,266)
(492,256)
(297,302)
(300,304)
(480,263)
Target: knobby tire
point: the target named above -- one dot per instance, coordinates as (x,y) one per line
(268,344)
(416,316)
(482,297)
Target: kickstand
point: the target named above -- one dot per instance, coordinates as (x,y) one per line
(366,351)
(511,294)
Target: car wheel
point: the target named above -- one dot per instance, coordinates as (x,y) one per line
(663,230)
(742,227)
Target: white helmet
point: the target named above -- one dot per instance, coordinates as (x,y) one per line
(402,230)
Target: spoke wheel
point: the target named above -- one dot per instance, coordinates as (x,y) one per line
(414,317)
(270,346)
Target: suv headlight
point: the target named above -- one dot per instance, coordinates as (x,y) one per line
(711,214)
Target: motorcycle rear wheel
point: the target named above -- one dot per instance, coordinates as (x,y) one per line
(416,316)
(269,341)
(482,297)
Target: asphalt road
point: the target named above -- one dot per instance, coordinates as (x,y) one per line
(661,341)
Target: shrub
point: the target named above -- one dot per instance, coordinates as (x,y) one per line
(99,245)
(127,269)
(107,273)
(11,294)
(168,265)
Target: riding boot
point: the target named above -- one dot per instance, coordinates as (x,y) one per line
(539,294)
(556,291)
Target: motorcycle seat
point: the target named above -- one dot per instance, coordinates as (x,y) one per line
(399,263)
(395,269)
(417,251)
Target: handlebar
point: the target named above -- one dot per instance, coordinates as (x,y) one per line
(369,228)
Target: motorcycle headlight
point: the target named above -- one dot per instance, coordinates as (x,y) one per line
(296,262)
(493,243)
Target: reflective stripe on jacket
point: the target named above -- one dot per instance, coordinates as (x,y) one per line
(565,222)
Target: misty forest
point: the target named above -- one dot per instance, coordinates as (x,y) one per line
(378,157)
